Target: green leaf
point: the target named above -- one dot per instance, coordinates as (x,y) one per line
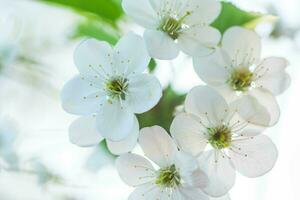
(109,10)
(162,114)
(95,29)
(231,16)
(152,65)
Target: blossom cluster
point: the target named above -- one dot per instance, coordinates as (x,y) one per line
(220,129)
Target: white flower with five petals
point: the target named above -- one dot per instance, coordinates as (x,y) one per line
(236,70)
(177,176)
(110,88)
(174,25)
(232,133)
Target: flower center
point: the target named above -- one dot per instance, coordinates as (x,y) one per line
(117,88)
(168,177)
(220,137)
(172,26)
(240,79)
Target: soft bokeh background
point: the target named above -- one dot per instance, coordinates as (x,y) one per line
(38,161)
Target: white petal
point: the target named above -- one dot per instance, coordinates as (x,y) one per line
(126,145)
(206,103)
(144,91)
(213,69)
(149,191)
(242,45)
(189,170)
(273,75)
(135,170)
(225,197)
(220,171)
(141,12)
(115,122)
(256,156)
(187,131)
(160,45)
(190,193)
(83,132)
(82,97)
(202,11)
(199,41)
(131,54)
(251,110)
(158,145)
(269,102)
(93,58)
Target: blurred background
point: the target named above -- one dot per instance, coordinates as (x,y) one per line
(37,40)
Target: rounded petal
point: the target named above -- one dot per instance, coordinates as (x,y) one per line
(202,11)
(126,145)
(115,122)
(135,170)
(251,110)
(189,170)
(269,102)
(81,97)
(220,171)
(144,91)
(148,191)
(83,132)
(93,58)
(190,193)
(158,145)
(213,69)
(272,75)
(199,41)
(254,157)
(131,54)
(144,15)
(225,197)
(160,45)
(206,103)
(188,133)
(243,46)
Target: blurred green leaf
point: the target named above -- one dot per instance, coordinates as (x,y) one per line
(109,10)
(95,29)
(152,65)
(231,15)
(162,114)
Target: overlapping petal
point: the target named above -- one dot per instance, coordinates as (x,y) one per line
(199,40)
(81,97)
(220,171)
(83,132)
(213,69)
(141,12)
(272,75)
(160,45)
(126,145)
(243,46)
(135,170)
(94,58)
(131,55)
(115,122)
(158,145)
(144,92)
(188,133)
(255,156)
(206,103)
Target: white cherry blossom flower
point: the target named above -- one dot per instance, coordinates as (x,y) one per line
(110,88)
(236,69)
(235,142)
(176,177)
(174,25)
